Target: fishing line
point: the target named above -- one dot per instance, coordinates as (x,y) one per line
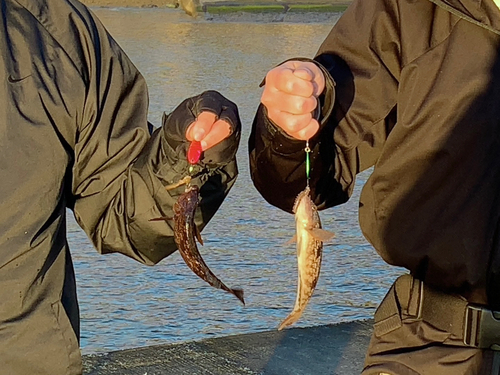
(308,162)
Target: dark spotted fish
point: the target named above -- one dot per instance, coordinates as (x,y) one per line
(309,237)
(185,232)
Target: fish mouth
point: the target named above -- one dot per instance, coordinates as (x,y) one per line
(299,198)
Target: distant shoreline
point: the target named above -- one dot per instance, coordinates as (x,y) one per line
(238,5)
(130,3)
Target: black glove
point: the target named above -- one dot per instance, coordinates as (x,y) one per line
(176,123)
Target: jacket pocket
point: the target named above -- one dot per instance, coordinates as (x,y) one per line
(69,339)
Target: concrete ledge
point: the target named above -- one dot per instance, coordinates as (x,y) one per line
(329,349)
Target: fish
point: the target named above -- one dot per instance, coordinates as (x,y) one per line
(189,7)
(185,232)
(310,237)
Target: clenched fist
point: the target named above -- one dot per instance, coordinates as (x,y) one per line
(291,96)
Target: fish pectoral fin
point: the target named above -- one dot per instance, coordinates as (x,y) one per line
(197,233)
(163,218)
(184,181)
(291,240)
(321,234)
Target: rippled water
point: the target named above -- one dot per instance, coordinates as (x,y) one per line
(125,304)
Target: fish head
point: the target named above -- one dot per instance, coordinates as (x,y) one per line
(188,200)
(305,209)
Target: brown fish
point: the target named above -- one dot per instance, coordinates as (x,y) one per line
(309,237)
(185,231)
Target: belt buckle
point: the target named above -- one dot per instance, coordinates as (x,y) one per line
(482,328)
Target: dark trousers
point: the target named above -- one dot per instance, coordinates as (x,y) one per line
(411,339)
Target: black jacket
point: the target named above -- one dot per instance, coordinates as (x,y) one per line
(413,90)
(74,134)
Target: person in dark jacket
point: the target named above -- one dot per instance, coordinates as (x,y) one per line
(412,89)
(74,134)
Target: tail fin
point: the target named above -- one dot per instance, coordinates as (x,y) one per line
(239,294)
(290,319)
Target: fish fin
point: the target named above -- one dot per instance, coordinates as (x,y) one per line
(291,240)
(163,218)
(290,319)
(198,235)
(239,294)
(185,181)
(321,234)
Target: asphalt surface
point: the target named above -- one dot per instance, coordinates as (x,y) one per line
(330,349)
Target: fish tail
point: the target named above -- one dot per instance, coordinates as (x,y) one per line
(290,319)
(239,294)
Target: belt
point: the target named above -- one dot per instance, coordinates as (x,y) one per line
(476,326)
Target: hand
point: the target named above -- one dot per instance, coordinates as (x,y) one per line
(209,118)
(208,130)
(290,97)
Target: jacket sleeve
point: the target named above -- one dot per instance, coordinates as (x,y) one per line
(361,61)
(120,170)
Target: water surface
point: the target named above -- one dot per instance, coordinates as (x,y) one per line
(125,304)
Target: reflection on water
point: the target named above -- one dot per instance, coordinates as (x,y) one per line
(125,304)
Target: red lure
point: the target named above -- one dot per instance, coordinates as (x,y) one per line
(194,152)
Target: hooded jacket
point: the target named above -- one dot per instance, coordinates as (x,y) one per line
(74,134)
(413,90)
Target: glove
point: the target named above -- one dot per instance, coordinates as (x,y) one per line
(176,124)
